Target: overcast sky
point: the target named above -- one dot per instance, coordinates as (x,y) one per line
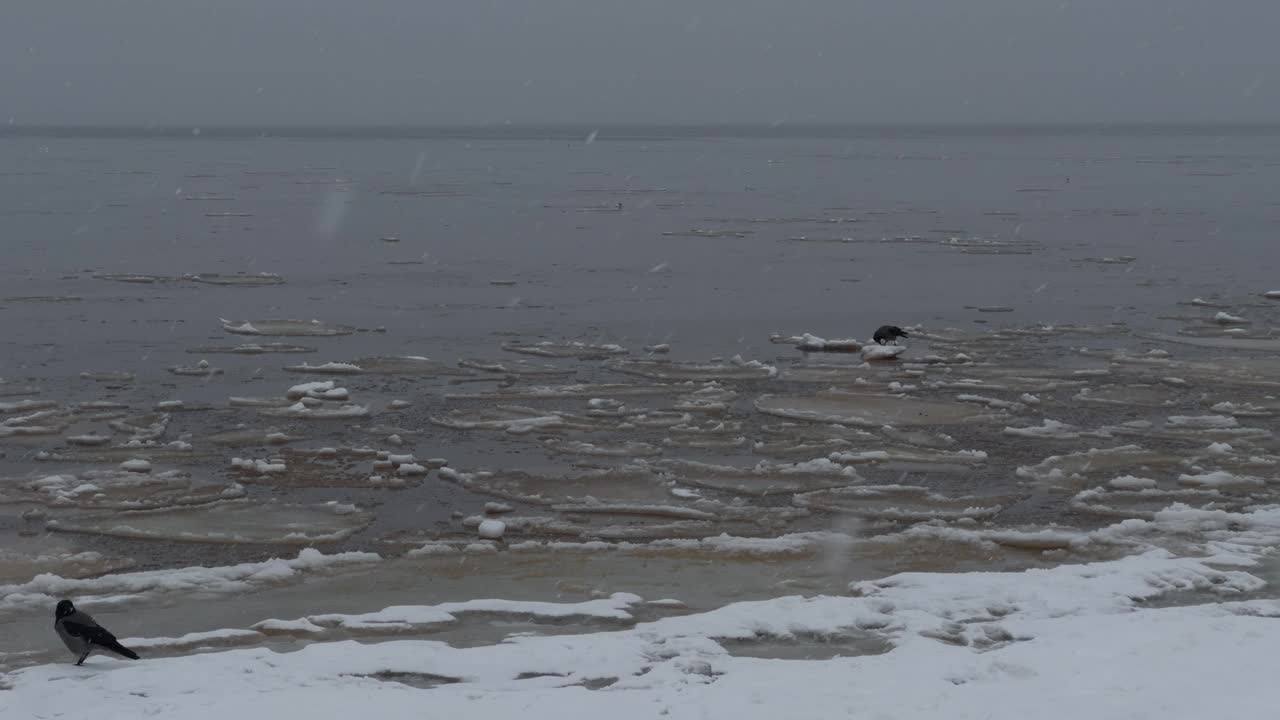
(479,61)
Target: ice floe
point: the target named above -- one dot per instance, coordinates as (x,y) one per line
(867,410)
(762,479)
(230,521)
(120,489)
(906,503)
(251,349)
(302,410)
(285,328)
(572,349)
(735,369)
(874,353)
(139,587)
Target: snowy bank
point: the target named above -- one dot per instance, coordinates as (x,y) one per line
(1067,642)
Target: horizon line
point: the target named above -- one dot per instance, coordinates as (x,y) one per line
(613,130)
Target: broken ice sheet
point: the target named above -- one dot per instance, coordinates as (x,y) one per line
(633,483)
(902,503)
(869,410)
(232,521)
(734,369)
(117,489)
(762,479)
(285,328)
(567,349)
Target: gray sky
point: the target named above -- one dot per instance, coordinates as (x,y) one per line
(468,61)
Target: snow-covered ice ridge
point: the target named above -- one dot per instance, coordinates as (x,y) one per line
(1067,642)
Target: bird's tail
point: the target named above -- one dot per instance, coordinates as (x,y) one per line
(119,649)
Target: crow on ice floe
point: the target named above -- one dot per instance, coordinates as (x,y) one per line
(888,333)
(82,635)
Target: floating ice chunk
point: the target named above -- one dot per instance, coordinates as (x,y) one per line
(1272,294)
(873,352)
(495,508)
(125,588)
(284,327)
(906,503)
(117,489)
(136,465)
(512,420)
(735,369)
(1203,422)
(1243,409)
(579,350)
(1223,318)
(411,468)
(273,466)
(1029,399)
(252,349)
(398,404)
(1222,343)
(991,402)
(1095,460)
(658,349)
(912,455)
(1221,479)
(329,368)
(301,410)
(287,627)
(1129,482)
(239,279)
(228,521)
(202,369)
(623,449)
(108,377)
(811,343)
(866,409)
(311,389)
(763,479)
(26,406)
(1220,448)
(492,529)
(241,328)
(1048,429)
(89,440)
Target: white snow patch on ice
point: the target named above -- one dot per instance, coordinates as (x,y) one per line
(1047,430)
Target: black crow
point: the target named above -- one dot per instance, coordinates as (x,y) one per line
(82,635)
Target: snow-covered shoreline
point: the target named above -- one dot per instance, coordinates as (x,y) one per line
(1083,640)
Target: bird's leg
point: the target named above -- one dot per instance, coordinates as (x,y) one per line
(83,656)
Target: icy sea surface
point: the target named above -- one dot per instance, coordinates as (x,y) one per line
(262,395)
